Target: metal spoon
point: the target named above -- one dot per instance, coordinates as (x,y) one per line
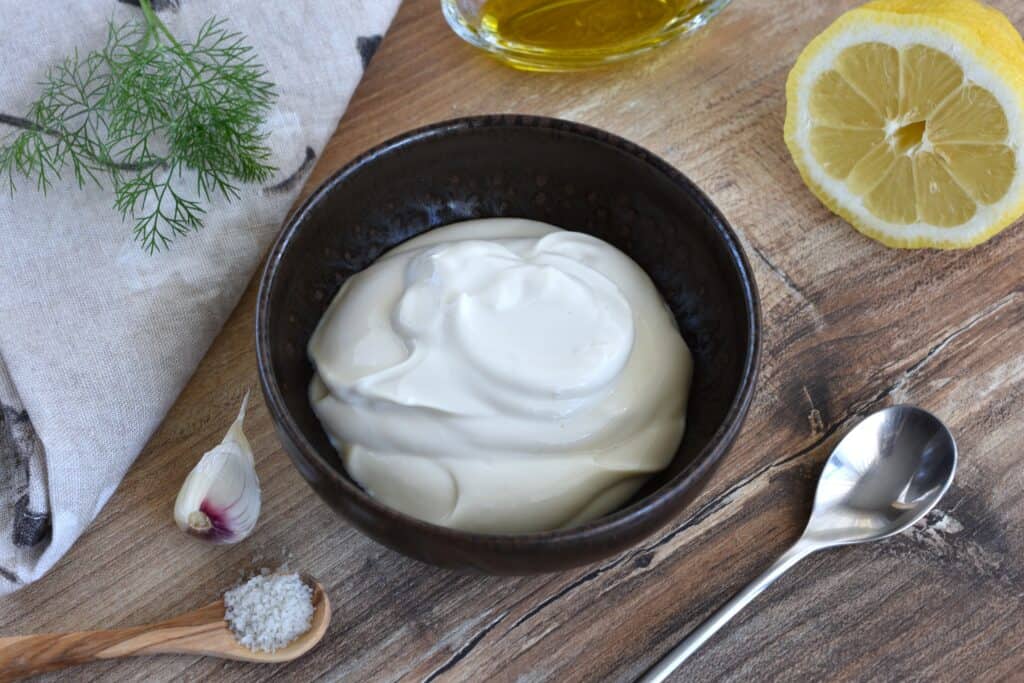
(884,476)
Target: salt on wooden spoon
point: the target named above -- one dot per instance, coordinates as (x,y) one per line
(201,632)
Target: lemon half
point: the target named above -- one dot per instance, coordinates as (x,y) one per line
(904,117)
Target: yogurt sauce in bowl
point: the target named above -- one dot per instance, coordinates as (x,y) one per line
(501,376)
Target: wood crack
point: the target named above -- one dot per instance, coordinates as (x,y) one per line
(941,346)
(788,282)
(726,497)
(461,653)
(568,588)
(703,513)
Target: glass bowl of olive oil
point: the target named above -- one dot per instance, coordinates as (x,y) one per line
(564,35)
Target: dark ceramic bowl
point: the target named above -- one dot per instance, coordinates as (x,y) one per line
(563,173)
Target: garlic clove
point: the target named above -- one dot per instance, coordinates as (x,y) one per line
(220,498)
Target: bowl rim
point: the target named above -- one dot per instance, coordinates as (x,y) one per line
(622,519)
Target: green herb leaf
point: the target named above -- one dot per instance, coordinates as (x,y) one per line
(166,124)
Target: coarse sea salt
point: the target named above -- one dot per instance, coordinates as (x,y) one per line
(269,611)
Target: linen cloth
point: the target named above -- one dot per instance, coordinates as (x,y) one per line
(97,337)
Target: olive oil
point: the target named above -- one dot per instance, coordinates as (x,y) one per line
(585,31)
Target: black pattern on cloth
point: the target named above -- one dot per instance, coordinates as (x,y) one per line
(292,180)
(18,442)
(30,527)
(367,46)
(158,5)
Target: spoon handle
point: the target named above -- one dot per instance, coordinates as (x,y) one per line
(193,632)
(681,652)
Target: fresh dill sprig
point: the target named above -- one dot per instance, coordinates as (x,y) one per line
(167,124)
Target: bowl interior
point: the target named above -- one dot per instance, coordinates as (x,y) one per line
(542,169)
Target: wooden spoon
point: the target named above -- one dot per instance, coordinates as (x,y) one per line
(200,632)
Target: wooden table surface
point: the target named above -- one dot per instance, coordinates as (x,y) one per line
(850,326)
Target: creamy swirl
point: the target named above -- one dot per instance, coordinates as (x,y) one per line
(501,376)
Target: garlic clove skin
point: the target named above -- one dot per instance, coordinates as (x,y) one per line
(235,433)
(220,498)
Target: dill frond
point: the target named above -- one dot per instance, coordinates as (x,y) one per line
(166,124)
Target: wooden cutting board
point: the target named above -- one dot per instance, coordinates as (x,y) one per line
(850,326)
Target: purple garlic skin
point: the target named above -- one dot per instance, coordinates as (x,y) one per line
(220,498)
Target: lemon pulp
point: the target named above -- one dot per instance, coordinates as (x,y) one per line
(899,120)
(909,135)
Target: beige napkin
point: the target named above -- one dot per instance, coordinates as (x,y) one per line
(97,338)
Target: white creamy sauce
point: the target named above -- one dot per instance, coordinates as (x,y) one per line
(501,376)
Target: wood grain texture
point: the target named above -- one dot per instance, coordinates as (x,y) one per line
(850,326)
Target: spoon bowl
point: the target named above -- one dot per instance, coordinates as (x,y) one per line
(885,475)
(220,642)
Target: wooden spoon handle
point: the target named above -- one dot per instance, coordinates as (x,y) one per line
(197,632)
